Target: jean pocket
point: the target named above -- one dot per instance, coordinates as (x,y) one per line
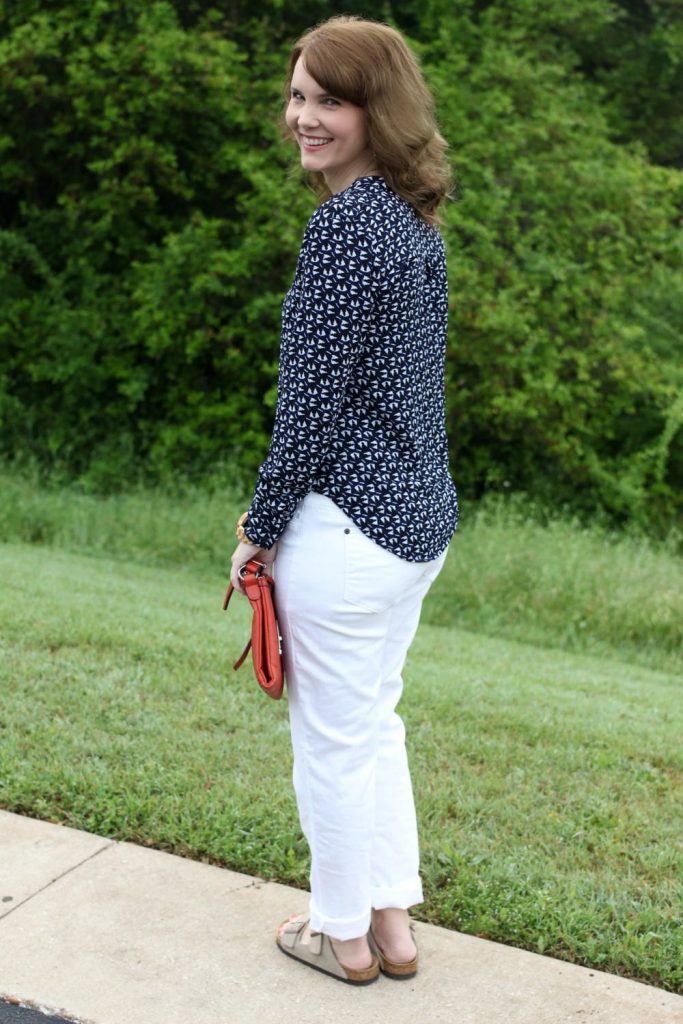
(374,578)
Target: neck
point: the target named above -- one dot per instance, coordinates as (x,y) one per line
(339,183)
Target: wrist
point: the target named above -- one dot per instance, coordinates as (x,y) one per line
(240,531)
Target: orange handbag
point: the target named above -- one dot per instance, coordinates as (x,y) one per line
(265,641)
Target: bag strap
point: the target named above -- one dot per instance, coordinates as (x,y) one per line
(250,572)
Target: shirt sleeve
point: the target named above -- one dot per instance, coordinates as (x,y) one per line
(326,316)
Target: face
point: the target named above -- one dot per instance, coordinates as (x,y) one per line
(331,132)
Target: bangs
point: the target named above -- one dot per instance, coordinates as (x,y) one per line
(336,69)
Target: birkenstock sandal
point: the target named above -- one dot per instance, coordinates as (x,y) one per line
(316,950)
(389,967)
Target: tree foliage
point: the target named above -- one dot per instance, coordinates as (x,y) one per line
(563,245)
(152,217)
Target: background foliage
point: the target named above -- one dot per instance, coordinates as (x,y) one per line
(152,216)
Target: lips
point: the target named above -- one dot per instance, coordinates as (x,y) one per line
(312,142)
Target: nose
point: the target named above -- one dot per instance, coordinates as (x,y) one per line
(308,117)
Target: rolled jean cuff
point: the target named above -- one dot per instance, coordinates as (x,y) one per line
(402,896)
(339,928)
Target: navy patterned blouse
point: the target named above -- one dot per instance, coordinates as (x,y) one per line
(360,408)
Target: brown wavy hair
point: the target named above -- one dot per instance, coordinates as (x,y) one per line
(369,64)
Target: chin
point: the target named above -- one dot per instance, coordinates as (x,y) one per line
(311,165)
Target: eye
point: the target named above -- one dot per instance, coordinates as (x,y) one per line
(331,102)
(296,95)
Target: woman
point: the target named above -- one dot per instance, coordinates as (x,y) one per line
(355,495)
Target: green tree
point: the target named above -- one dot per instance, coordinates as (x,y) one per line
(563,247)
(637,62)
(130,160)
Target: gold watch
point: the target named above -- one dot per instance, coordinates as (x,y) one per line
(239,532)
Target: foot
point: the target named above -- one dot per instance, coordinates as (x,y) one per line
(350,952)
(391,928)
(343,960)
(354,953)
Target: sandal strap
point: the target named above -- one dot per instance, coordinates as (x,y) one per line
(315,948)
(292,936)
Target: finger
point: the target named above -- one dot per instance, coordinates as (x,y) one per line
(236,580)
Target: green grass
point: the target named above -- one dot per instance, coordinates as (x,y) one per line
(554,582)
(548,783)
(563,584)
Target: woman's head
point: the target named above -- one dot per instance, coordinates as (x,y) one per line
(331,131)
(368,66)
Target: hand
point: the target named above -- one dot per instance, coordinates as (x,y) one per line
(243,553)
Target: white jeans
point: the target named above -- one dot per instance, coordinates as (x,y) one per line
(348,611)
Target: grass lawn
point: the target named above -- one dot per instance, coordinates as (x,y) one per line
(514,570)
(548,782)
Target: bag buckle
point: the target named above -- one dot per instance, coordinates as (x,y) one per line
(244,569)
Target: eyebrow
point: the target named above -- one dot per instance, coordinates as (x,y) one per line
(319,95)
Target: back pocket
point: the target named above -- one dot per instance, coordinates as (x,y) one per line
(374,578)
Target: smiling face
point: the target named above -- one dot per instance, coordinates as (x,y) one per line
(331,132)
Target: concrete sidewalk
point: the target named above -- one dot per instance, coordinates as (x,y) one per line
(113,933)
